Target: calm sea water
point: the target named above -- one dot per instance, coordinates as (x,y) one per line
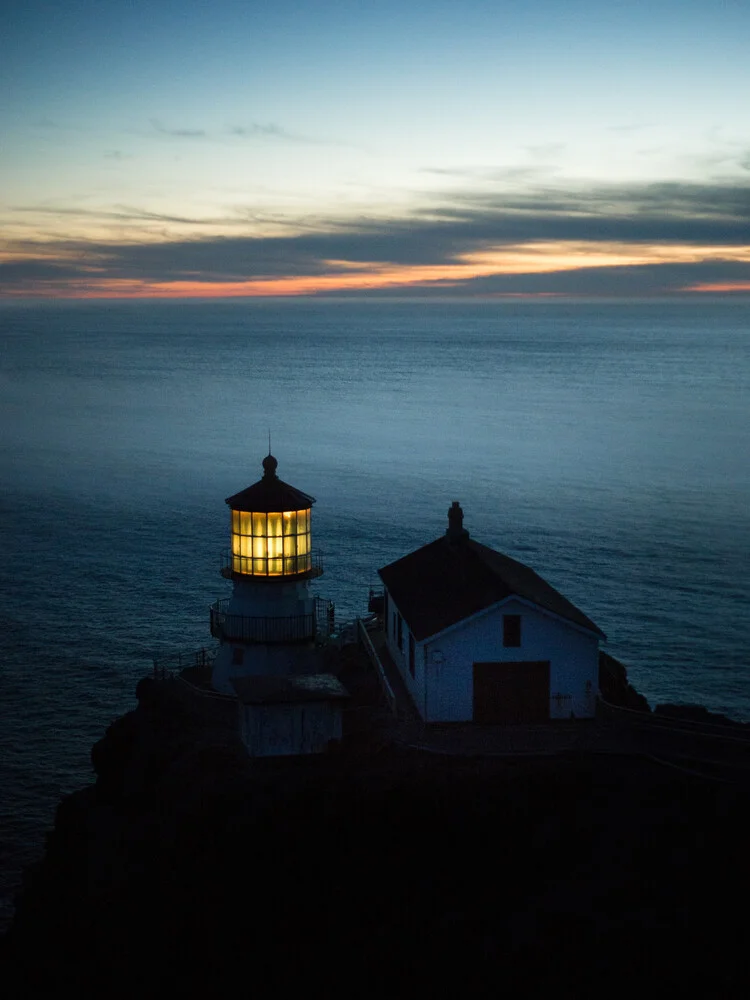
(604,444)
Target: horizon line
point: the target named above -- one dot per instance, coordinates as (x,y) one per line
(718,291)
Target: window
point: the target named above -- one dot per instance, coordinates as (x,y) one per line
(511,630)
(411,654)
(271,544)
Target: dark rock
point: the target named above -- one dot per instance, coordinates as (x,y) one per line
(145,689)
(189,868)
(614,685)
(694,713)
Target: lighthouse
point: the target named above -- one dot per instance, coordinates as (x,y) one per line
(268,627)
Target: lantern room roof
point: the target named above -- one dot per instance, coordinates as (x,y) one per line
(270,493)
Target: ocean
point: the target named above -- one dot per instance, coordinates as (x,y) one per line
(606,444)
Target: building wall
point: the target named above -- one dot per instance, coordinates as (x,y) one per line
(289,729)
(272,598)
(444,687)
(400,655)
(260,659)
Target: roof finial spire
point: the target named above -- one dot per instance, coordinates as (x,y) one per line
(269,467)
(269,462)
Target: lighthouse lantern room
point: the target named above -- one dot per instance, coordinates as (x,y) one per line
(271,529)
(269,624)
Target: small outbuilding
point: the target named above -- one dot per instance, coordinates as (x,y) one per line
(286,715)
(478,636)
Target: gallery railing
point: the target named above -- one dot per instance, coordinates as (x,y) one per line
(229,627)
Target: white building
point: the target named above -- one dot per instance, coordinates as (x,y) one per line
(269,629)
(283,716)
(480,637)
(270,623)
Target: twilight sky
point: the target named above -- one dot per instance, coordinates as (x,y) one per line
(336,146)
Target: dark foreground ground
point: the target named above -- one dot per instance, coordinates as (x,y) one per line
(188,869)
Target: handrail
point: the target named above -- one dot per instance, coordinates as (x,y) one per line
(375,660)
(712,730)
(172,663)
(203,692)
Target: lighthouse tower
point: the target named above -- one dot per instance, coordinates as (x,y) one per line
(269,624)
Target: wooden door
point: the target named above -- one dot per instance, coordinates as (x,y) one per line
(513,692)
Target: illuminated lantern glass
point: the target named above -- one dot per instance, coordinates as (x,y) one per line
(273,543)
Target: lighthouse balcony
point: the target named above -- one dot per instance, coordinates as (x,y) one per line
(290,628)
(283,568)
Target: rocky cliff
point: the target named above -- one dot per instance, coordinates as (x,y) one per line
(188,868)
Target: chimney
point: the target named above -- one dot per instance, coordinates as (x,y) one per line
(456,531)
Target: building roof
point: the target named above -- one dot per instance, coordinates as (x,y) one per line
(455,577)
(274,690)
(270,493)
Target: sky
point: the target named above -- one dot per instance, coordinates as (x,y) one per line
(337,147)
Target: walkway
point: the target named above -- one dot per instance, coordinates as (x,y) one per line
(712,751)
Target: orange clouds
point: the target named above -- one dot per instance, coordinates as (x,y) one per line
(361,276)
(718,287)
(546,257)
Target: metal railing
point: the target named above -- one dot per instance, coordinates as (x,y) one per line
(172,663)
(385,685)
(289,628)
(655,721)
